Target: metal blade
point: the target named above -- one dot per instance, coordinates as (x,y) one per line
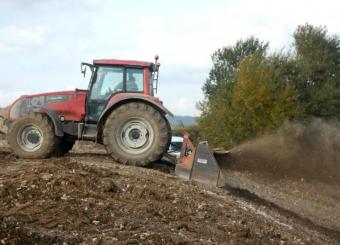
(205,168)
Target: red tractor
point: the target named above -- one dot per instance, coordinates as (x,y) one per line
(118,110)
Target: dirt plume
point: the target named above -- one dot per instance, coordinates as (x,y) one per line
(305,151)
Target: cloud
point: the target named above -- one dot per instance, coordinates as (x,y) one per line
(71,87)
(14,38)
(57,35)
(4,47)
(90,2)
(8,98)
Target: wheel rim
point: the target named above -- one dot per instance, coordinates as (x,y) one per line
(135,136)
(30,138)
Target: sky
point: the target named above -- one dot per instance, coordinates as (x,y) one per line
(42,42)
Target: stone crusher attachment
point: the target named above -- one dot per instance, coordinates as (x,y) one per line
(201,163)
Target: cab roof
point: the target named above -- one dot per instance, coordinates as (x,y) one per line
(122,62)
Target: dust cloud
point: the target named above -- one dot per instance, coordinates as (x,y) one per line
(307,152)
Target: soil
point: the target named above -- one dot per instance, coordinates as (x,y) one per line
(85,197)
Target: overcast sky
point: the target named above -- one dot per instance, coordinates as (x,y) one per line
(42,42)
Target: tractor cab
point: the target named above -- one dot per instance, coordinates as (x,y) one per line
(116,78)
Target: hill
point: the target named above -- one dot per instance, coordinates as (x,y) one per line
(182,120)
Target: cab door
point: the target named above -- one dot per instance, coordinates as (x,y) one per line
(107,81)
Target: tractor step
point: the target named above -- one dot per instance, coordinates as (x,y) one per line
(90,132)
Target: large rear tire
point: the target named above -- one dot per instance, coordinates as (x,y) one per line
(136,134)
(32,136)
(169,134)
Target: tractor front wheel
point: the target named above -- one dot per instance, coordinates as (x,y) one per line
(136,134)
(32,136)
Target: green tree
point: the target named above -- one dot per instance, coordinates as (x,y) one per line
(318,66)
(226,61)
(263,98)
(218,88)
(213,122)
(249,92)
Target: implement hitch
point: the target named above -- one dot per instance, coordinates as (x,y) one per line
(201,163)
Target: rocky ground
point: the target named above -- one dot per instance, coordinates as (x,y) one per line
(87,198)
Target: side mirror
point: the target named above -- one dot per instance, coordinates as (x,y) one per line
(83,67)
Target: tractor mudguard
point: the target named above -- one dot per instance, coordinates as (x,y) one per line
(58,128)
(115,102)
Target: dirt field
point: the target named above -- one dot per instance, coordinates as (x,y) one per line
(87,198)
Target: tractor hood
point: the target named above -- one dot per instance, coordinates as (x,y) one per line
(65,102)
(58,93)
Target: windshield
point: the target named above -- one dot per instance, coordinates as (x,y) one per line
(111,80)
(108,81)
(175,146)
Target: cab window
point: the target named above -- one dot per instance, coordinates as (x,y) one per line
(134,80)
(109,80)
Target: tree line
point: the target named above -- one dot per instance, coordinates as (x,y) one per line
(251,91)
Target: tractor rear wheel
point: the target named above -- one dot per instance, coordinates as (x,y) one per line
(32,136)
(136,134)
(170,134)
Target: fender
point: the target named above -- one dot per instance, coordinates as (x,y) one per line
(58,128)
(115,102)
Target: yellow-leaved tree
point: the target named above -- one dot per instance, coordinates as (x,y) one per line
(263,98)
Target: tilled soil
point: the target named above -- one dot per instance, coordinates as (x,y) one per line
(314,204)
(312,194)
(87,198)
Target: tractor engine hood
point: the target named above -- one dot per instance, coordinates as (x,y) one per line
(64,102)
(53,94)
